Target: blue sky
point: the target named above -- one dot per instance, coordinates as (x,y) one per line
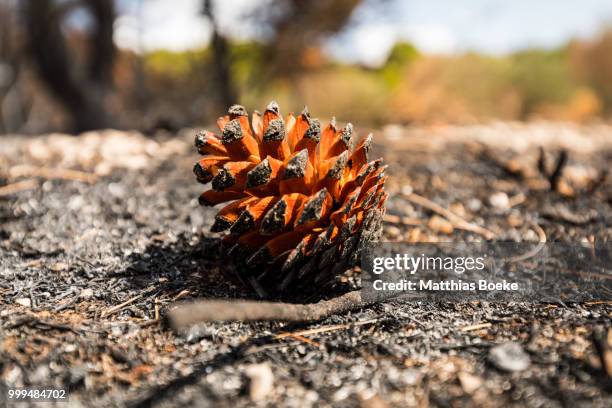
(434,26)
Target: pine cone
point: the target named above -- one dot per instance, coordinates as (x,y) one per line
(303,202)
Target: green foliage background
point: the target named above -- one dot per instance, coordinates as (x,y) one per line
(564,83)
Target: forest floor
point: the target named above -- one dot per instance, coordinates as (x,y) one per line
(101,233)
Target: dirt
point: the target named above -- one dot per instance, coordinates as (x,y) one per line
(90,262)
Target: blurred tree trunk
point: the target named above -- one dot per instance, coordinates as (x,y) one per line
(102,51)
(83,96)
(299,27)
(222,63)
(13,108)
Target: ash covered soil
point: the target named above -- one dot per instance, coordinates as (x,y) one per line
(101,233)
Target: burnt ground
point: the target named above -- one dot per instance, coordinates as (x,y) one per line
(91,261)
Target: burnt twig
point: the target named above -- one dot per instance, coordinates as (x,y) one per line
(554,176)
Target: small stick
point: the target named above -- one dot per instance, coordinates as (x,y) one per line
(456,220)
(304,339)
(478,326)
(246,310)
(537,249)
(52,173)
(120,306)
(323,329)
(598,302)
(553,177)
(18,187)
(542,165)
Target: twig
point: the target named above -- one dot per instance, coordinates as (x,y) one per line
(553,177)
(324,329)
(598,302)
(18,187)
(32,320)
(149,323)
(20,321)
(456,220)
(476,327)
(57,326)
(304,340)
(206,310)
(459,346)
(52,173)
(533,252)
(120,306)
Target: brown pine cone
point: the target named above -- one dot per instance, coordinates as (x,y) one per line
(300,201)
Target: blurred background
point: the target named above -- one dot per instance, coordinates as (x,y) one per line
(75,65)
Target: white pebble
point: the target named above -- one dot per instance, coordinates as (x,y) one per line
(26,302)
(500,200)
(261,381)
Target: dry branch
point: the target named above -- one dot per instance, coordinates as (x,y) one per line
(200,311)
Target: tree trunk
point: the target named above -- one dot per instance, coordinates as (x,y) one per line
(84,97)
(226,92)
